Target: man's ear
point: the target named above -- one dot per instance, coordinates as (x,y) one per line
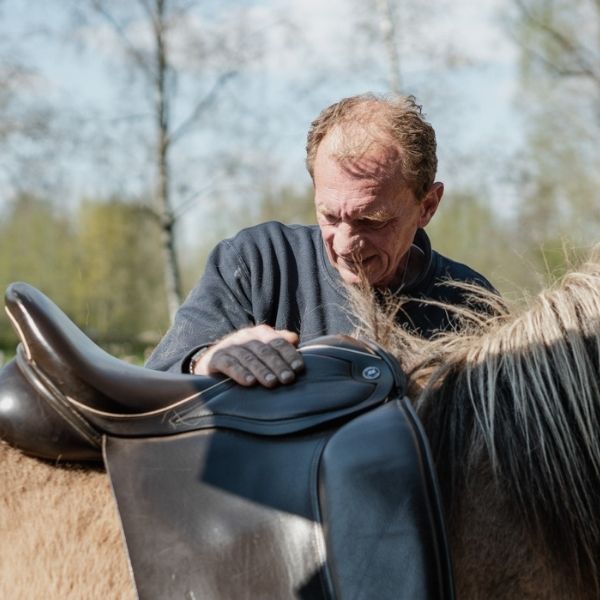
(430,203)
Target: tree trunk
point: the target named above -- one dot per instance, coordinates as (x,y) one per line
(163,201)
(388,27)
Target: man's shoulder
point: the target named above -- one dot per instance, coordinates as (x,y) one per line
(273,231)
(439,269)
(449,269)
(269,244)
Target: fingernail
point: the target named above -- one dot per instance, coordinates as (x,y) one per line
(287,376)
(296,364)
(270,377)
(250,379)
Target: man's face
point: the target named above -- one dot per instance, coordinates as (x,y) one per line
(367,214)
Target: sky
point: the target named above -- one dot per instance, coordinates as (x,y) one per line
(456,58)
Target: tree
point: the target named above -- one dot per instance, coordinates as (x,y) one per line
(182,70)
(100,266)
(281,203)
(26,124)
(389,26)
(560,99)
(34,240)
(467,228)
(560,39)
(117,287)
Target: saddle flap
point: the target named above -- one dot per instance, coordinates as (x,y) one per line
(348,511)
(381,509)
(220,514)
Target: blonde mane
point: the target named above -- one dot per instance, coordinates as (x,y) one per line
(517,394)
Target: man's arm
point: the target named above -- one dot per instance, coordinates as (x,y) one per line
(218,315)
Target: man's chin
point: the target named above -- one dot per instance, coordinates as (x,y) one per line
(371,279)
(353,278)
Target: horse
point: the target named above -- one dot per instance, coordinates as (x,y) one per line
(511,406)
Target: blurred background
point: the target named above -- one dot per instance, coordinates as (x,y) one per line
(135,135)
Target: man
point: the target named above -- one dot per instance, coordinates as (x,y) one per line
(373,163)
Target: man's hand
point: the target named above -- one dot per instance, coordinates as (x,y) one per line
(254,354)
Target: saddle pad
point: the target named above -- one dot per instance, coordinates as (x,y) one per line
(349,511)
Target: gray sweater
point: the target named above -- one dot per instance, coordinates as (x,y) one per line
(279,275)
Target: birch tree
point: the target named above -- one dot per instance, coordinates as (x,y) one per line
(184,71)
(559,45)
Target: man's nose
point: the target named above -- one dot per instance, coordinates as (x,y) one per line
(347,241)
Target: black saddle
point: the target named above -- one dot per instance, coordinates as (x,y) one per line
(319,490)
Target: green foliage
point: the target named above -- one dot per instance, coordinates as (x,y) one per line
(467,229)
(37,245)
(282,203)
(559,195)
(118,287)
(557,257)
(102,268)
(560,93)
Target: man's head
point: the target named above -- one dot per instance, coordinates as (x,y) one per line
(373,163)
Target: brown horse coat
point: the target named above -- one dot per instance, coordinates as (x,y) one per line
(59,533)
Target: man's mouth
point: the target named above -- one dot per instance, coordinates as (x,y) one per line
(354,263)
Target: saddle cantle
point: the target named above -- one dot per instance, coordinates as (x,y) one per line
(322,489)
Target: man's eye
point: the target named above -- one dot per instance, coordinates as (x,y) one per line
(372,224)
(330,219)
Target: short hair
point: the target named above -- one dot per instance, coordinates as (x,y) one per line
(397,119)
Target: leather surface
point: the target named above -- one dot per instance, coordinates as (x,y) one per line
(220,514)
(380,510)
(285,409)
(79,378)
(81,369)
(346,513)
(29,421)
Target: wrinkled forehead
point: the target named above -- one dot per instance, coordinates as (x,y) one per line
(362,151)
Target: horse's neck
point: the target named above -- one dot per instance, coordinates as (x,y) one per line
(494,557)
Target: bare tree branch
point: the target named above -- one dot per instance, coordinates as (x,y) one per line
(180,131)
(189,202)
(577,52)
(117,27)
(150,13)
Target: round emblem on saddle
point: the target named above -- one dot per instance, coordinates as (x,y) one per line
(371,373)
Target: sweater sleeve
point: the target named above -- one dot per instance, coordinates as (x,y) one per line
(218,305)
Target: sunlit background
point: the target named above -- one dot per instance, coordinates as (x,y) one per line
(131,127)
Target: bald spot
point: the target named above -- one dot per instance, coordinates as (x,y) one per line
(363,151)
